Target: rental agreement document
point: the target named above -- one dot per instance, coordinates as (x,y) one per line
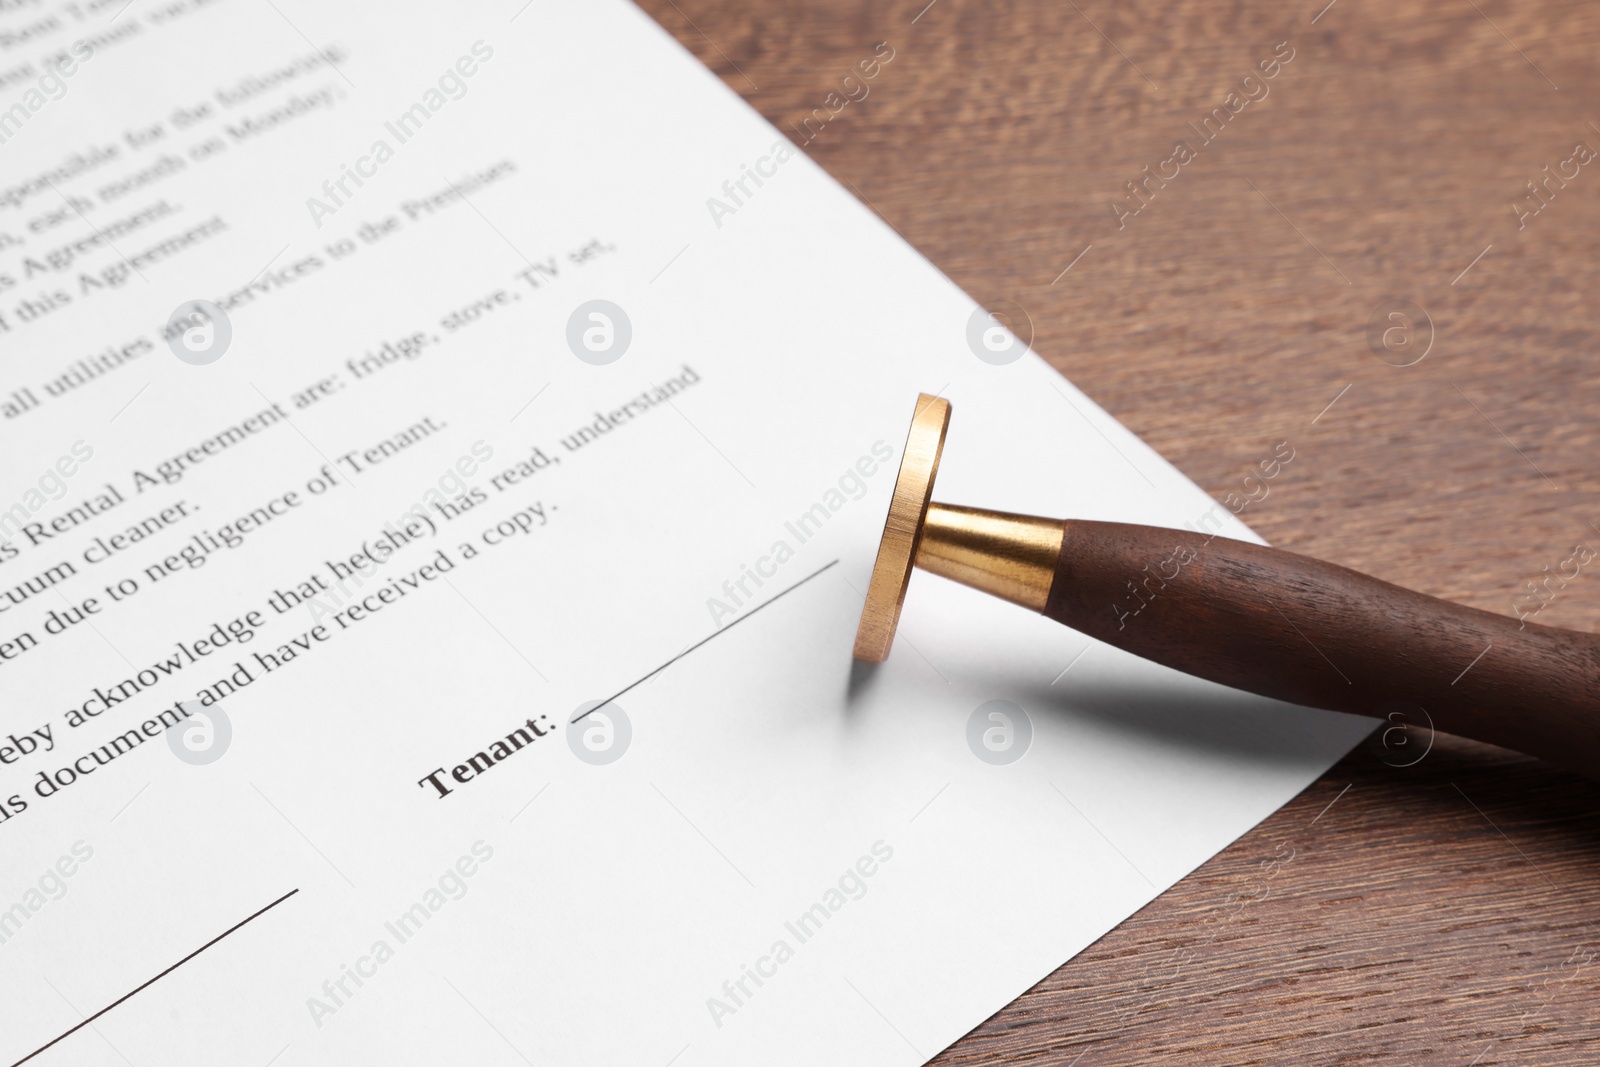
(444,448)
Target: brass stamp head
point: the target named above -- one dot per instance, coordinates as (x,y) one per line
(913,489)
(1013,557)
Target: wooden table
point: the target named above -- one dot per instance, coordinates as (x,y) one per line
(1439,913)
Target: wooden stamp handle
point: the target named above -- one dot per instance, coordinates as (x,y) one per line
(1298,629)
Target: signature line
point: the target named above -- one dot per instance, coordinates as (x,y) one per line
(702,641)
(158,977)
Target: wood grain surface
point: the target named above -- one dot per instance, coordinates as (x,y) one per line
(1443,912)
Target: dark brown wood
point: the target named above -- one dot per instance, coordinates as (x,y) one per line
(1287,626)
(1435,914)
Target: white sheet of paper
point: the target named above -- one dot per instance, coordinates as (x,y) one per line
(767,871)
